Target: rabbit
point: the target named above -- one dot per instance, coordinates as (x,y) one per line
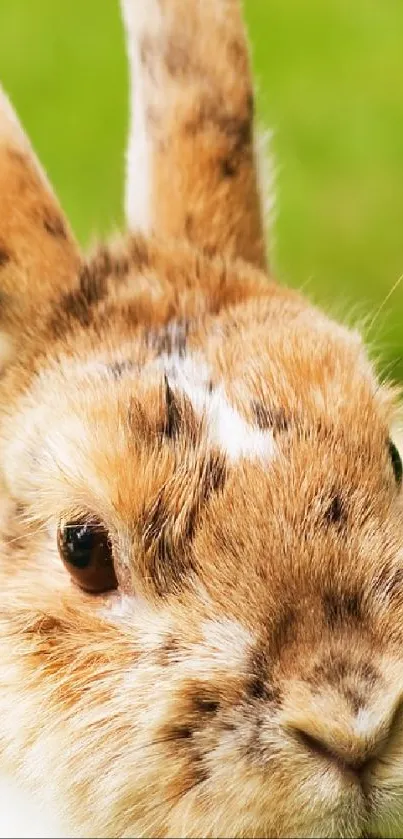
(201,534)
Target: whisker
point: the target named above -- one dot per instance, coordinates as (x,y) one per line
(40,529)
(387,373)
(392,365)
(385,301)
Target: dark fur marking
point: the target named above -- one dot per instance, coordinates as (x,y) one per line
(155,524)
(206,705)
(256,688)
(189,225)
(76,306)
(182,732)
(260,685)
(54,224)
(250,104)
(173,421)
(105,264)
(201,771)
(212,480)
(137,419)
(169,556)
(336,670)
(336,512)
(180,419)
(368,673)
(285,629)
(119,368)
(237,52)
(167,564)
(390,582)
(333,670)
(340,608)
(259,689)
(139,252)
(355,699)
(211,114)
(170,338)
(215,476)
(93,285)
(20,510)
(271,419)
(168,652)
(5,256)
(229,167)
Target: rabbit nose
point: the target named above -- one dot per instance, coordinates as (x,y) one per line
(348,737)
(356,761)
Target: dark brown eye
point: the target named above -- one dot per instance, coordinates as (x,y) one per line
(86,552)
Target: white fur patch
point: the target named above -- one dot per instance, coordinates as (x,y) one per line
(139,174)
(139,18)
(228,642)
(151,626)
(224,642)
(365,723)
(23,816)
(227,428)
(120,608)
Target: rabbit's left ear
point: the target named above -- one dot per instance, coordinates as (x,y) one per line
(38,255)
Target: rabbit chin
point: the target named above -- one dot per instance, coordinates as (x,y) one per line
(25,814)
(22,814)
(386,793)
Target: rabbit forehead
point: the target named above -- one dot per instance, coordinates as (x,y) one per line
(82,419)
(96,428)
(227,470)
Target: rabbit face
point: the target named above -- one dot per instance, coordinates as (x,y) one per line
(246,646)
(201,514)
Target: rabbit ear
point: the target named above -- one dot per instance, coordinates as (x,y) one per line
(191,164)
(38,256)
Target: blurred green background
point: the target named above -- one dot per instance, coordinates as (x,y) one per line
(330,82)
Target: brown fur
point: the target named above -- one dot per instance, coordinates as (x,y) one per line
(245,678)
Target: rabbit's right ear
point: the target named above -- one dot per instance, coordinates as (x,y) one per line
(38,255)
(192,172)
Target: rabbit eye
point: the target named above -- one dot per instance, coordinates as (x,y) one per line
(396,462)
(86,552)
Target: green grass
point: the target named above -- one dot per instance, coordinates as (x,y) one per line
(330,84)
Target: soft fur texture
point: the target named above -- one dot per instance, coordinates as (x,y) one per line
(245,678)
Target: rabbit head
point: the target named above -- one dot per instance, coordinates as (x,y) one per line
(201,512)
